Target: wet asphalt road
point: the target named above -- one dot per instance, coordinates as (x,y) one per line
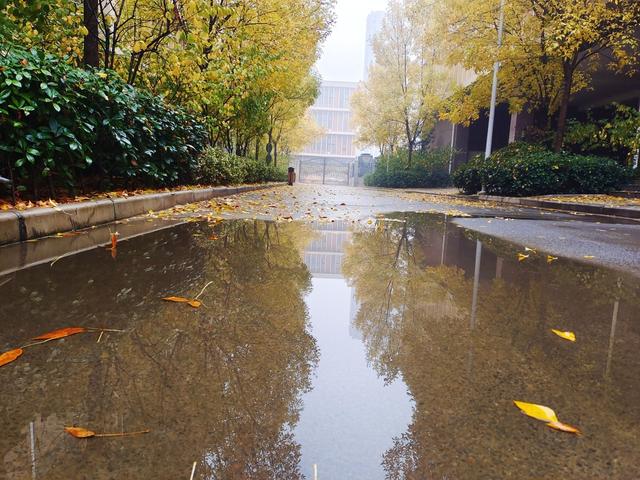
(604,241)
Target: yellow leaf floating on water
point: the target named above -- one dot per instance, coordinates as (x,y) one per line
(539,412)
(551,258)
(527,249)
(566,335)
(10,356)
(522,257)
(589,257)
(547,415)
(79,432)
(563,427)
(192,302)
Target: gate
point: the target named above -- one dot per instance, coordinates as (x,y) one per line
(325,171)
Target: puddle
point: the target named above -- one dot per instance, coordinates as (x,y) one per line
(389,352)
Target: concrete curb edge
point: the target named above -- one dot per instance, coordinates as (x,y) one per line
(591,209)
(19,226)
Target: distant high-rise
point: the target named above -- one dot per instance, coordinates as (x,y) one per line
(374,26)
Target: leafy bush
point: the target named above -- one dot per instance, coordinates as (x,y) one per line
(523,169)
(67,124)
(216,166)
(467,177)
(428,169)
(614,131)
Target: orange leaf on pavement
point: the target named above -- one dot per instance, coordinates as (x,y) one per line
(10,356)
(60,333)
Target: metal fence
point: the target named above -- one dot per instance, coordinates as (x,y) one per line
(325,171)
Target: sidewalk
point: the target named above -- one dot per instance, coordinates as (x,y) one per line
(608,205)
(23,225)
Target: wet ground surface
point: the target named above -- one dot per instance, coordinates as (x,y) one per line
(363,345)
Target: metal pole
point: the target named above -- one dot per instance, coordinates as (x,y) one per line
(494,87)
(324,169)
(612,337)
(453,144)
(476,284)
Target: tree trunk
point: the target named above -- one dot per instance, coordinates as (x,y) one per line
(275,154)
(91,57)
(567,85)
(257,148)
(410,160)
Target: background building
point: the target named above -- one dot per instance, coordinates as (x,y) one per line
(330,157)
(374,26)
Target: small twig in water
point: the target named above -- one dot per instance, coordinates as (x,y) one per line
(100,336)
(96,329)
(203,289)
(193,470)
(124,434)
(37,343)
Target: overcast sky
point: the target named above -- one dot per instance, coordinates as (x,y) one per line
(343,52)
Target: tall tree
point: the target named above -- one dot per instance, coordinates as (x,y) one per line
(550,51)
(405,85)
(91,56)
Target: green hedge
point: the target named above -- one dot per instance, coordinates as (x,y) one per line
(523,169)
(428,169)
(64,125)
(219,167)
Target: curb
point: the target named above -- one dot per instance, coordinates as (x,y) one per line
(588,208)
(20,226)
(593,209)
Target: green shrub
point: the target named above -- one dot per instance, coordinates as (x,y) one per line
(522,170)
(257,171)
(467,177)
(67,124)
(216,166)
(428,170)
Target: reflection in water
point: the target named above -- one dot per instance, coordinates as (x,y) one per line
(467,327)
(417,358)
(219,385)
(350,417)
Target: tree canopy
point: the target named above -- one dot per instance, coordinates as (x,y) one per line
(246,67)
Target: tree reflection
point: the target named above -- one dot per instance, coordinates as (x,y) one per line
(415,308)
(220,385)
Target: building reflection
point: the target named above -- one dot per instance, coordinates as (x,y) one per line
(325,254)
(324,257)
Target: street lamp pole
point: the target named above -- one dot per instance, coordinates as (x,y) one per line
(494,87)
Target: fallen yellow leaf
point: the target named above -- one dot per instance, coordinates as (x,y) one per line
(551,258)
(566,335)
(522,257)
(539,412)
(563,427)
(545,414)
(527,249)
(589,257)
(10,356)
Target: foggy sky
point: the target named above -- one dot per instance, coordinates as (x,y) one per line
(343,52)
